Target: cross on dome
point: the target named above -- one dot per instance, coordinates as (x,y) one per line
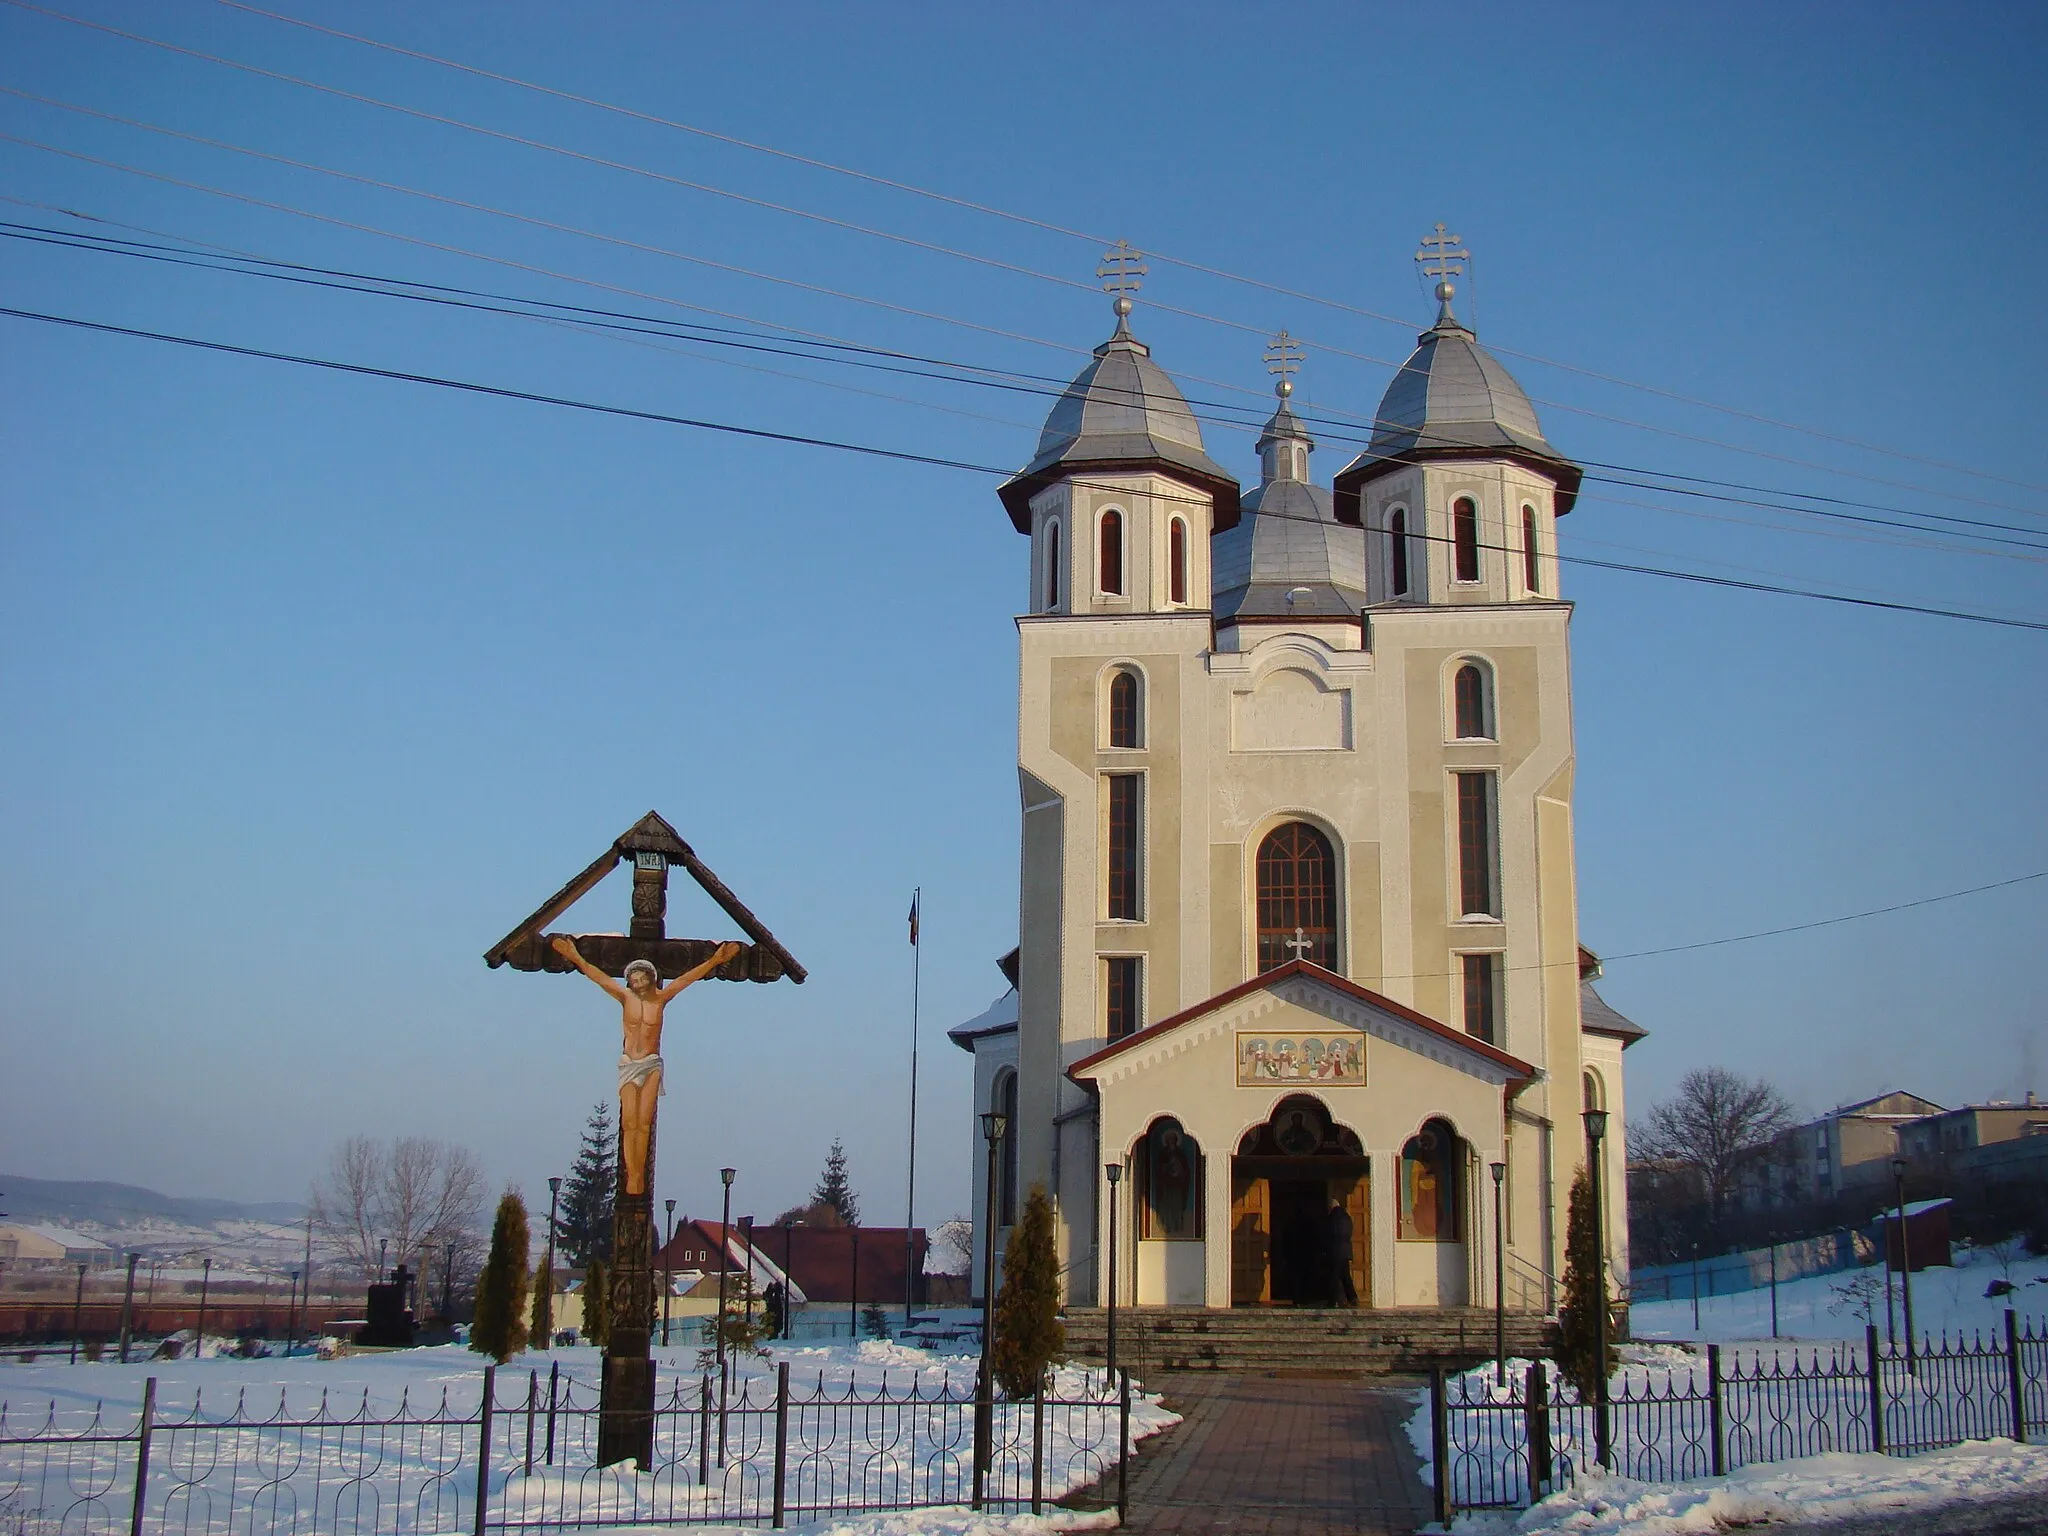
(1443,257)
(1122,270)
(1283,357)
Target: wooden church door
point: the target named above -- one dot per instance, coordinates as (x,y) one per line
(1355,1190)
(1251,1277)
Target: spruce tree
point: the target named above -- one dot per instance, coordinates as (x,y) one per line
(540,1328)
(597,1304)
(1585,1293)
(500,1327)
(835,1190)
(583,1229)
(1029,1335)
(744,1326)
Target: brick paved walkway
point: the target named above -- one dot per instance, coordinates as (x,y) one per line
(1279,1456)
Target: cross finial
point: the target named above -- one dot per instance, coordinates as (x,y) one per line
(1301,944)
(1443,257)
(1283,357)
(1122,271)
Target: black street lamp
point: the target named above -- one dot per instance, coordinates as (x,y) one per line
(1114,1172)
(1596,1132)
(747,1271)
(199,1335)
(788,1321)
(1500,1282)
(853,1291)
(724,1263)
(1905,1262)
(77,1313)
(667,1270)
(993,1126)
(554,1201)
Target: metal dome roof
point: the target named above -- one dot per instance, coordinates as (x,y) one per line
(1121,412)
(1452,399)
(1290,543)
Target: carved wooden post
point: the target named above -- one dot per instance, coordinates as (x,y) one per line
(625,1425)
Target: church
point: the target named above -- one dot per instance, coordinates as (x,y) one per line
(1298,949)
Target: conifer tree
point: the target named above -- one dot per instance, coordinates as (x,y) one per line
(583,1229)
(540,1328)
(500,1327)
(744,1326)
(597,1304)
(1585,1292)
(1029,1335)
(874,1322)
(834,1188)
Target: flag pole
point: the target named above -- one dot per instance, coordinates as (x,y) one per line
(910,1198)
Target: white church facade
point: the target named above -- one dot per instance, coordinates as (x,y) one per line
(1298,926)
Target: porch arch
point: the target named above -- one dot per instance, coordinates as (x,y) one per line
(1288,1246)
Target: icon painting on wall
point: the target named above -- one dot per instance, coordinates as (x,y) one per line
(1296,1056)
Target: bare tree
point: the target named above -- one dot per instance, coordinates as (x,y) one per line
(416,1192)
(1716,1124)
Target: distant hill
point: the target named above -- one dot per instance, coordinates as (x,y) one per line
(117,1205)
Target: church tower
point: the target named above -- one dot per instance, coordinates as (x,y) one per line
(1298,932)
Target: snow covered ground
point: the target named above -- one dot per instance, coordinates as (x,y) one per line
(1816,1489)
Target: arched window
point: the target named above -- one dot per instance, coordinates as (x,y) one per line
(1590,1091)
(1530,568)
(1126,721)
(1052,566)
(1112,562)
(1465,538)
(1297,899)
(1169,1179)
(1177,561)
(1005,1097)
(1429,1203)
(1474,720)
(1397,542)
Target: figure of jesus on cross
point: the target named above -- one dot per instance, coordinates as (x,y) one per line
(642,1000)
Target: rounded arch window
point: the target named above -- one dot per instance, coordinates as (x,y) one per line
(1169,1178)
(1052,565)
(1429,1203)
(1126,709)
(1532,570)
(1296,872)
(1465,538)
(1177,561)
(1003,1099)
(1110,562)
(1397,550)
(1471,703)
(1591,1092)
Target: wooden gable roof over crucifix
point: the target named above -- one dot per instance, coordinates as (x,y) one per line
(653,847)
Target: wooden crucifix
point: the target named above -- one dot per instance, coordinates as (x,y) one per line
(642,960)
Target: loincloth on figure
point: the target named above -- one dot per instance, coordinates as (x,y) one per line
(635,1070)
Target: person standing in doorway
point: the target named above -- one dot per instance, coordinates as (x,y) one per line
(1337,1235)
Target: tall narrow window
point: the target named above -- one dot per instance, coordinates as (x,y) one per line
(1177,561)
(1052,566)
(1475,844)
(1006,1152)
(1397,543)
(1123,845)
(1482,1001)
(1465,537)
(1126,725)
(1530,569)
(1120,978)
(1113,551)
(1468,692)
(1297,898)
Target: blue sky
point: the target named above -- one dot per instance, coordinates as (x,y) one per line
(314,685)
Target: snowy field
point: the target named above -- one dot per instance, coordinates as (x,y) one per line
(388,1442)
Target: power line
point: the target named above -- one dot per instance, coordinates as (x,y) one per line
(903,456)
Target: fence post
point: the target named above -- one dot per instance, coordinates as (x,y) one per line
(483,1448)
(142,1432)
(1536,1425)
(532,1403)
(781,1437)
(2015,1379)
(1038,1450)
(1876,1364)
(1440,1443)
(554,1382)
(1717,1426)
(704,1432)
(1123,1444)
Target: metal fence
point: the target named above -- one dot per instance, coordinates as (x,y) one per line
(1505,1444)
(522,1458)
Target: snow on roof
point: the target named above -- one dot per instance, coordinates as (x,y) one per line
(63,1237)
(997,1017)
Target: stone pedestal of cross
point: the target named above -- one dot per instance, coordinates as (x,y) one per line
(652,968)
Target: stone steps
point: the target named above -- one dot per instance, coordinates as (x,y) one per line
(1349,1340)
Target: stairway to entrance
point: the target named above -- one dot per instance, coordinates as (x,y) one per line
(1360,1341)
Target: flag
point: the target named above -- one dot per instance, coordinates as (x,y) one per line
(913,919)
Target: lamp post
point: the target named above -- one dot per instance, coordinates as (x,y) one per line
(1114,1172)
(853,1291)
(667,1269)
(724,1264)
(1500,1281)
(199,1334)
(77,1313)
(383,1243)
(788,1322)
(993,1126)
(554,1203)
(747,1269)
(1774,1283)
(291,1326)
(1695,1289)
(1596,1133)
(1905,1263)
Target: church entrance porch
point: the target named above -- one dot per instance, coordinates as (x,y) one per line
(1300,1211)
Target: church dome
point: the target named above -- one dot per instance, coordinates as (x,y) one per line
(1121,412)
(1290,557)
(1452,399)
